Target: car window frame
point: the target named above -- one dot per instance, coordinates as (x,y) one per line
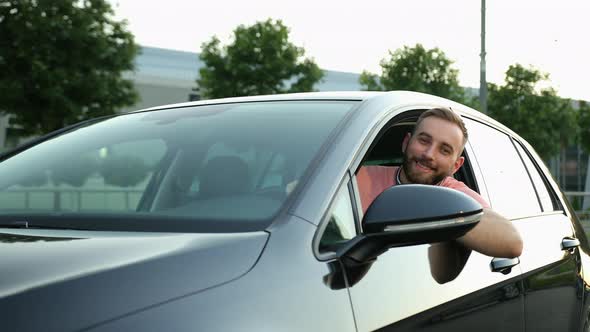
(405,113)
(373,134)
(530,154)
(410,114)
(563,205)
(344,183)
(477,174)
(513,140)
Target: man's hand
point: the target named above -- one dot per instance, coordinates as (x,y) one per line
(447,260)
(494,236)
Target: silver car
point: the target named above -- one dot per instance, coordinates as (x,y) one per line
(243,214)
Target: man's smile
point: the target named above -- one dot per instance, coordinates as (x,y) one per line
(423,167)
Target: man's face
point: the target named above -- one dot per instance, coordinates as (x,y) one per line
(433,152)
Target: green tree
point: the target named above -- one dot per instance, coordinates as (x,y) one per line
(62,61)
(545,120)
(260,60)
(416,69)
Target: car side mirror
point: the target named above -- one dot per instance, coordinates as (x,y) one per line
(412,214)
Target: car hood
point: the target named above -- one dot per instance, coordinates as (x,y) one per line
(69,280)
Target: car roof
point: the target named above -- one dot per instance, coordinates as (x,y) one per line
(331,95)
(391,98)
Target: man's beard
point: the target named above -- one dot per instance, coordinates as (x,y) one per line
(434,179)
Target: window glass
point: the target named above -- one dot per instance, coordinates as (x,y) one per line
(110,178)
(221,168)
(340,226)
(542,190)
(262,170)
(509,187)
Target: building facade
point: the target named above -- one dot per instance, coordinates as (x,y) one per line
(165,76)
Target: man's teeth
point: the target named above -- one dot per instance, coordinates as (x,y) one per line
(423,166)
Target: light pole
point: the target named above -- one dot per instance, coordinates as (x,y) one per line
(483,87)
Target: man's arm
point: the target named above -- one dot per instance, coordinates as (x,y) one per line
(493,236)
(447,260)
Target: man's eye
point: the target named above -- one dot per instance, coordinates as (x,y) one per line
(446,152)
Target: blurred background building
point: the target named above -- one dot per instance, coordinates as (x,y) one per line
(165,76)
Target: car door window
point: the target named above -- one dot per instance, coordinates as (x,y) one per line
(386,151)
(509,186)
(545,198)
(340,224)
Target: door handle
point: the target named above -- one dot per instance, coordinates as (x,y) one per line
(504,265)
(569,243)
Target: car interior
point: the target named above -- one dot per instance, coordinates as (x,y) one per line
(387,150)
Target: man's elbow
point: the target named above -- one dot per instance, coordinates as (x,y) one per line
(514,249)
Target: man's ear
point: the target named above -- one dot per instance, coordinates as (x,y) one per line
(405,142)
(458,163)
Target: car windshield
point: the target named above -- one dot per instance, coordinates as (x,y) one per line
(210,168)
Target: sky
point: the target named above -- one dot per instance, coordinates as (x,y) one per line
(551,36)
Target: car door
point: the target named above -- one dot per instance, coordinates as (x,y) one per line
(405,289)
(518,188)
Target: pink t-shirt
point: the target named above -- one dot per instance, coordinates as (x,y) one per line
(373,180)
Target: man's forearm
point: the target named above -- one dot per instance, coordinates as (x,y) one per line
(494,236)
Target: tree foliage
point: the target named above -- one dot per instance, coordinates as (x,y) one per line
(260,60)
(62,61)
(545,120)
(416,69)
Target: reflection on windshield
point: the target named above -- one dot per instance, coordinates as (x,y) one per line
(18,238)
(209,163)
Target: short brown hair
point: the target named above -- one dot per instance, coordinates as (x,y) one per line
(445,113)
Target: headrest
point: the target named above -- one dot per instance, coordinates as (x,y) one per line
(223,176)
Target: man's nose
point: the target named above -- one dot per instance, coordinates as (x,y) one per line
(428,152)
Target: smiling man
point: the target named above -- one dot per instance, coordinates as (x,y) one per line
(432,154)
